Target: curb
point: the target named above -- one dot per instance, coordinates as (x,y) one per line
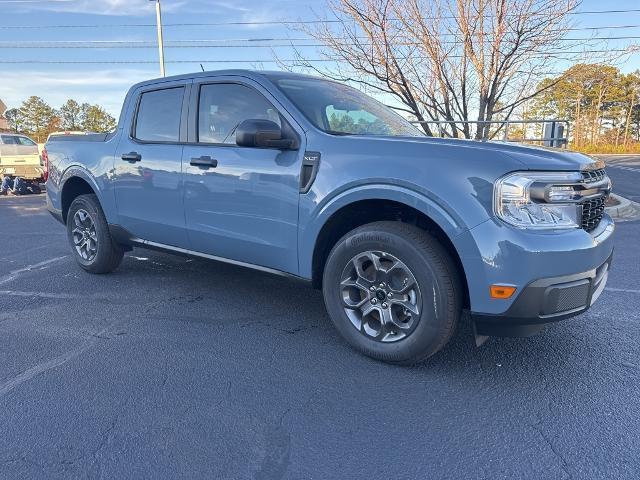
(626,211)
(613,154)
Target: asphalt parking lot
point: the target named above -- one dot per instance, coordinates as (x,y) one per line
(624,171)
(180,368)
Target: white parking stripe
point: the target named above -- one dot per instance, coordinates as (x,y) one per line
(16,273)
(66,296)
(24,251)
(27,375)
(624,290)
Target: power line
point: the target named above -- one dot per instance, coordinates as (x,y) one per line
(265,22)
(10,27)
(215,43)
(116,62)
(556,55)
(288,39)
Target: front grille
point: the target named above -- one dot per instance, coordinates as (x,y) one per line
(593,209)
(592,212)
(591,176)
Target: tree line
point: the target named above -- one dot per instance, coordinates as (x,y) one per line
(601,103)
(37,119)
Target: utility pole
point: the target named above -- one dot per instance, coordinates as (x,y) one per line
(160,41)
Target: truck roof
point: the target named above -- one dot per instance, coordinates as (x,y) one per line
(241,72)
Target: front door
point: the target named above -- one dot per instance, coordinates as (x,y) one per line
(241,203)
(148,181)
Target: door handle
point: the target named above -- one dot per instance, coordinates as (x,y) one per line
(131,157)
(204,161)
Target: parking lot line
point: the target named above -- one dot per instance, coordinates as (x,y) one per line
(27,375)
(11,276)
(624,290)
(63,296)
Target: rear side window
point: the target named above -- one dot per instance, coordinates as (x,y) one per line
(9,139)
(25,141)
(158,117)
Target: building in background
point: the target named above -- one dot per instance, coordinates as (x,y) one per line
(4,124)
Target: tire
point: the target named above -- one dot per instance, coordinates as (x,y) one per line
(407,257)
(87,226)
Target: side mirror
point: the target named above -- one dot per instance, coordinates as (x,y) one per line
(261,134)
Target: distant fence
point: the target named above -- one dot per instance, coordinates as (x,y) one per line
(550,133)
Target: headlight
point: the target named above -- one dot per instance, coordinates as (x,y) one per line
(538,199)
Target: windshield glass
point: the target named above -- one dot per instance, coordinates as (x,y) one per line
(343,110)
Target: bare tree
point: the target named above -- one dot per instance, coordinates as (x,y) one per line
(445,60)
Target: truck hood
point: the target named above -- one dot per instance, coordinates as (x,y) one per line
(530,157)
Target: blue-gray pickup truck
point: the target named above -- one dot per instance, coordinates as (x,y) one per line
(310,178)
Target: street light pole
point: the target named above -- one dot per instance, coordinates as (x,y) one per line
(160,41)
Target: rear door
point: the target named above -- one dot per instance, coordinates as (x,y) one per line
(244,206)
(148,183)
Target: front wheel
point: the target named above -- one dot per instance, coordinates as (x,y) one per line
(89,236)
(392,291)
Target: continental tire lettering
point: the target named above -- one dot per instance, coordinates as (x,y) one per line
(368,237)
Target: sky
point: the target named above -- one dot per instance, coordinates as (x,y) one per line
(36,35)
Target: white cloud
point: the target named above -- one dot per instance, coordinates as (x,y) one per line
(101,7)
(224,10)
(209,6)
(104,87)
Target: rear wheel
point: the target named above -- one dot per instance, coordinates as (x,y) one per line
(89,236)
(392,291)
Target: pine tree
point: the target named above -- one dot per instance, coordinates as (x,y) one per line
(71,115)
(96,119)
(38,118)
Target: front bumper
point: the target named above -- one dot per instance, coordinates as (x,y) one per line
(556,274)
(544,301)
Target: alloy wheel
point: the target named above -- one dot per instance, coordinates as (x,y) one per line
(380,296)
(85,239)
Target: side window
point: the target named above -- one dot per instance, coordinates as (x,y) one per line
(341,119)
(223,106)
(158,117)
(25,141)
(9,139)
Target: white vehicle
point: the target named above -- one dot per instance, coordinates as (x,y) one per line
(19,157)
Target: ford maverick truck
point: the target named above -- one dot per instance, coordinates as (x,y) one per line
(310,178)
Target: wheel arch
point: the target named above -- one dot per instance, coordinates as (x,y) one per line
(406,207)
(75,183)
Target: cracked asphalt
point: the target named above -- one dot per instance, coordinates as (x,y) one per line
(179,368)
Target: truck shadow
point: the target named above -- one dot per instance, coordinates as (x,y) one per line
(289,307)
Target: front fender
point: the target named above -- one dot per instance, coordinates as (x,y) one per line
(313,217)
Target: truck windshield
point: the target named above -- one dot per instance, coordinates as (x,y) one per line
(342,110)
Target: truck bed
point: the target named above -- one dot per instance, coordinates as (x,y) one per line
(91,137)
